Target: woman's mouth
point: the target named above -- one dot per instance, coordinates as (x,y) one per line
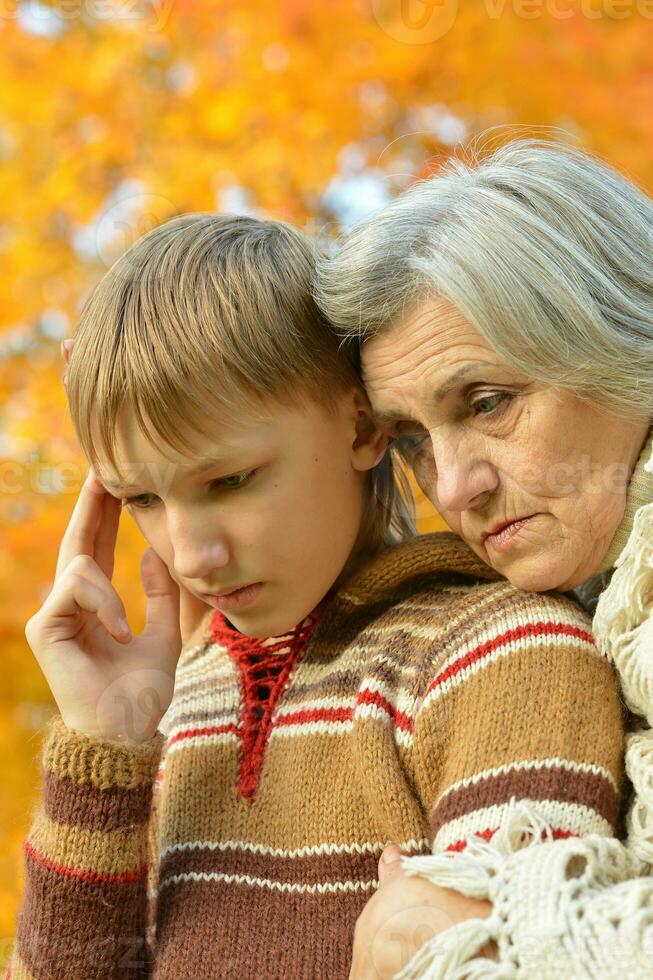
(503,535)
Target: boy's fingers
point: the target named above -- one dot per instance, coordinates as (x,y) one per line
(84,587)
(162,592)
(79,536)
(107,534)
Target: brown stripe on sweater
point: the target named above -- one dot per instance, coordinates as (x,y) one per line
(79,949)
(256,933)
(309,869)
(467,616)
(399,665)
(95,809)
(458,629)
(550,782)
(352,621)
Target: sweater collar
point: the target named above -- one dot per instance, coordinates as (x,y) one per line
(245,647)
(640,492)
(438,556)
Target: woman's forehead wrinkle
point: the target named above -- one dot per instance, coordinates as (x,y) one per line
(412,366)
(422,356)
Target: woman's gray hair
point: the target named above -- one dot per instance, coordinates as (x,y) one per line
(547,251)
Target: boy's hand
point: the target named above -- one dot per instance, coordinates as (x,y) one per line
(192,608)
(105,681)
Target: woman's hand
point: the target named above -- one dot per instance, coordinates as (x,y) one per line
(402,915)
(105,681)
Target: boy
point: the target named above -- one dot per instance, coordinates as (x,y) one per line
(325,704)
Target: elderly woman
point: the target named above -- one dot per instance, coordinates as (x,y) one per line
(505,313)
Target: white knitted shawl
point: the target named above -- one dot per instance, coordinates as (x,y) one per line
(576,908)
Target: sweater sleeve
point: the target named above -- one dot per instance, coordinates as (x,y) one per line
(84,909)
(526,709)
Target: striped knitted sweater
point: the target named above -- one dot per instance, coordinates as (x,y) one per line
(243,839)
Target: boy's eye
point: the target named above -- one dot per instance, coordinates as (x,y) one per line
(234,482)
(137,501)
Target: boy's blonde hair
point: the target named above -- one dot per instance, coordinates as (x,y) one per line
(202,315)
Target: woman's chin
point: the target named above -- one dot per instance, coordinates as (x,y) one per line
(537,574)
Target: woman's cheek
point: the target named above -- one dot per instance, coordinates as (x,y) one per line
(425,475)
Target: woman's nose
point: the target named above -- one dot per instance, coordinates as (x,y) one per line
(462,482)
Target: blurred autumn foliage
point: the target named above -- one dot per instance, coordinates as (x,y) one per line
(117,114)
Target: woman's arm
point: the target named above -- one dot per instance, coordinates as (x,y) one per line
(568,908)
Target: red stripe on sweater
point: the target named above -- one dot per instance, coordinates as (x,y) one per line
(212,730)
(460,845)
(400,719)
(90,876)
(510,636)
(314,714)
(309,715)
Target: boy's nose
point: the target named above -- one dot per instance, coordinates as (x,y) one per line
(198,562)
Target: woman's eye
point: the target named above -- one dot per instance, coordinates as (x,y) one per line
(410,433)
(489,403)
(413,440)
(411,444)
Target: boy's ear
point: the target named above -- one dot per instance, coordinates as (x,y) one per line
(371,438)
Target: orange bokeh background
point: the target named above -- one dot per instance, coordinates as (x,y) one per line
(117,114)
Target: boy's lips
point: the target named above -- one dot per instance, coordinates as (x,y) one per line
(236,598)
(216,593)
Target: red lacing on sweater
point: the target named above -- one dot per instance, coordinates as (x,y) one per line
(264,667)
